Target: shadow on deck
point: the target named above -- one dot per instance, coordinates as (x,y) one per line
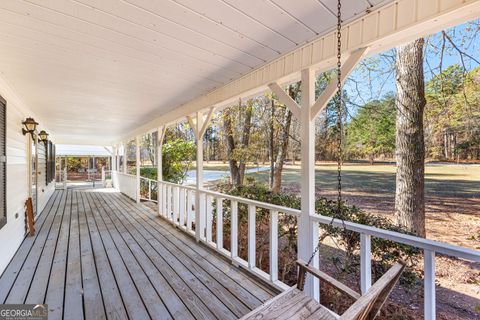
(98,255)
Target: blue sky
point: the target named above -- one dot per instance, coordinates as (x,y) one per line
(364,86)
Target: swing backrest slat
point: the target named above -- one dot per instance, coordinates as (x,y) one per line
(366,306)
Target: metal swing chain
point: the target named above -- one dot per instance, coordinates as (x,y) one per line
(339,123)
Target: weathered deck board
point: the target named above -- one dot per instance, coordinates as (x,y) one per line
(114,306)
(201,254)
(92,295)
(239,300)
(73,286)
(98,255)
(10,274)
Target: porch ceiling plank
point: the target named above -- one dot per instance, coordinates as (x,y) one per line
(107,18)
(12,272)
(67,44)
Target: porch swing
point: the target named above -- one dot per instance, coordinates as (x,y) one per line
(294,303)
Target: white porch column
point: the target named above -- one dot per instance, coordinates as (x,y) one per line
(117,159)
(199,204)
(306,112)
(199,126)
(160,137)
(308,232)
(137,166)
(125,157)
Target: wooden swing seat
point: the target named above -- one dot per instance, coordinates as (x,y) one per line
(295,304)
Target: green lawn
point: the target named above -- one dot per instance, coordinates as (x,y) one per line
(441,180)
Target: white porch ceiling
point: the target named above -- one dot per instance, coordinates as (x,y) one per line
(96,69)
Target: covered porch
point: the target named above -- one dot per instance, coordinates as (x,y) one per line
(119,70)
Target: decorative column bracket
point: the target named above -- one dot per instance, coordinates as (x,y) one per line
(327,94)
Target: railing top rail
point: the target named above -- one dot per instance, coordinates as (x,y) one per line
(264,205)
(125,174)
(178,185)
(145,178)
(439,247)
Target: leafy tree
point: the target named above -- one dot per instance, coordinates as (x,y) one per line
(452,118)
(371,132)
(177,156)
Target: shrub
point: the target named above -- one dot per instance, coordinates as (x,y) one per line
(384,252)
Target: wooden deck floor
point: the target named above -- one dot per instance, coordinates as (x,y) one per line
(98,255)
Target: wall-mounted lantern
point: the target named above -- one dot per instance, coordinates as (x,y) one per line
(30,126)
(43,135)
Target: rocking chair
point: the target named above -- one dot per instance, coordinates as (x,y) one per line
(295,304)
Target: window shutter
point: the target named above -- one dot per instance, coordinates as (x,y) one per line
(3,162)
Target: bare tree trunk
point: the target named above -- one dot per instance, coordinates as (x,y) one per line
(272,143)
(245,140)
(234,172)
(283,143)
(282,152)
(410,148)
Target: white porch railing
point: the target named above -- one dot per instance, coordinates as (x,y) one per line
(177,204)
(149,189)
(125,183)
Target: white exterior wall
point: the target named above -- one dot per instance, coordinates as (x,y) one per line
(18,176)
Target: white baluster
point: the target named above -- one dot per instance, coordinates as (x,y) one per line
(273,245)
(429,285)
(234,230)
(182,207)
(190,203)
(252,211)
(149,189)
(176,197)
(209,218)
(365,262)
(164,200)
(201,224)
(219,223)
(169,202)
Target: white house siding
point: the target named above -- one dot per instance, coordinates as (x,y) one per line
(12,234)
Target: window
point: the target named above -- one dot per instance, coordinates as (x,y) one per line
(50,163)
(3,162)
